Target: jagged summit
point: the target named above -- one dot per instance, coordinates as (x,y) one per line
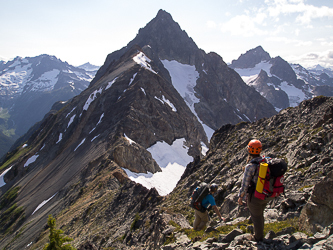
(89,67)
(250,58)
(281,87)
(164,36)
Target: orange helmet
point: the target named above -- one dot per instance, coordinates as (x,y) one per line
(254,147)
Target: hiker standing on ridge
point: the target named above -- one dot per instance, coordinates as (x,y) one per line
(255,205)
(201,218)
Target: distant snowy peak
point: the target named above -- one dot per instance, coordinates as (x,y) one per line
(279,85)
(41,73)
(317,67)
(89,67)
(319,81)
(250,58)
(250,74)
(318,70)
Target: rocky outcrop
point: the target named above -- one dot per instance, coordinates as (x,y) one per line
(318,212)
(275,96)
(134,157)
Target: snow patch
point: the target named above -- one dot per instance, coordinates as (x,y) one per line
(204,149)
(42,204)
(46,81)
(247,117)
(2,181)
(250,74)
(111,83)
(128,139)
(184,79)
(143,90)
(91,98)
(70,112)
(60,138)
(80,144)
(71,121)
(100,120)
(94,138)
(143,61)
(296,96)
(132,79)
(32,159)
(172,160)
(164,100)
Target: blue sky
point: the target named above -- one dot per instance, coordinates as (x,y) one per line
(300,31)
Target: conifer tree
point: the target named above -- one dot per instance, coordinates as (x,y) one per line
(56,237)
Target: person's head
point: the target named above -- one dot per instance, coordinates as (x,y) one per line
(254,147)
(213,188)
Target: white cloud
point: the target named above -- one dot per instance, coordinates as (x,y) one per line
(287,40)
(324,59)
(244,25)
(306,13)
(211,24)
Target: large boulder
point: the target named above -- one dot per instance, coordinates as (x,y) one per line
(318,212)
(134,157)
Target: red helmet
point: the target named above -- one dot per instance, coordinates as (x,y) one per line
(254,147)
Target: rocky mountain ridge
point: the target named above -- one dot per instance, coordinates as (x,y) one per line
(26,83)
(321,81)
(301,135)
(147,111)
(282,84)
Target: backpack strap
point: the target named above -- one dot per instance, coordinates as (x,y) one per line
(256,161)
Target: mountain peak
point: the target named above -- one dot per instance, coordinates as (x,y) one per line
(251,58)
(164,36)
(163,14)
(88,67)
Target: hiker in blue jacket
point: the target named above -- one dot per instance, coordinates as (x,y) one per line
(201,218)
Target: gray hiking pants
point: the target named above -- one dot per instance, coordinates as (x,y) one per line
(200,220)
(257,207)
